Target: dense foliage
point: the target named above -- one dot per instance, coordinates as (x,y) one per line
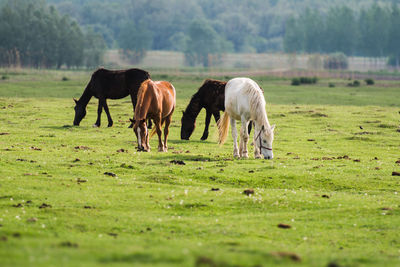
(354,27)
(235,25)
(37,36)
(372,32)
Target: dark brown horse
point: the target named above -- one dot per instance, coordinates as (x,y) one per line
(155,100)
(109,84)
(211,96)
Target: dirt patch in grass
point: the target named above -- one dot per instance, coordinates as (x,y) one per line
(364,133)
(178,162)
(288,255)
(110,174)
(248,192)
(44,206)
(82,148)
(284,226)
(69,244)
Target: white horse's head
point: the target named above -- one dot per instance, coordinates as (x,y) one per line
(264,141)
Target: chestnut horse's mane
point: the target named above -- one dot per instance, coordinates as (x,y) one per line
(139,114)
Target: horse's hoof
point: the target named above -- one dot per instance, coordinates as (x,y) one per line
(245,156)
(96,126)
(204,137)
(110,125)
(258,157)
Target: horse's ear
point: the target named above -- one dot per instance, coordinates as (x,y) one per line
(273,128)
(132,120)
(76,101)
(183,112)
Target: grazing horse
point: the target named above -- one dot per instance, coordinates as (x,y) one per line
(211,96)
(109,84)
(244,101)
(156,100)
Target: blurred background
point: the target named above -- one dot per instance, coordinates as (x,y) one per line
(274,36)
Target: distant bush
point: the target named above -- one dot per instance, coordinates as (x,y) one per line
(64,79)
(304,80)
(336,61)
(331,85)
(4,77)
(296,81)
(355,83)
(369,81)
(308,80)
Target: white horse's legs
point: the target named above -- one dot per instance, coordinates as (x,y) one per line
(234,136)
(244,138)
(257,152)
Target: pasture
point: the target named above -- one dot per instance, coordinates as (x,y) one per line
(83,196)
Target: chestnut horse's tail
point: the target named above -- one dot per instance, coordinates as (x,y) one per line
(223,127)
(154,130)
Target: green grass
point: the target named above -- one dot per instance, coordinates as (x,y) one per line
(330,181)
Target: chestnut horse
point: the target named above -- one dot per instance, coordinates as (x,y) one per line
(109,84)
(156,100)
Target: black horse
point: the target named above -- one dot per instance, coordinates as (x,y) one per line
(109,84)
(211,96)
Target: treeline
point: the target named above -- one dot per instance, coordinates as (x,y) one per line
(371,32)
(247,25)
(35,35)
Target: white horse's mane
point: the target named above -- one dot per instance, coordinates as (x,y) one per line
(257,103)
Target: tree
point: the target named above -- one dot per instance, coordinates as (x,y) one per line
(134,40)
(340,31)
(311,27)
(374,31)
(37,36)
(204,44)
(293,40)
(393,45)
(94,49)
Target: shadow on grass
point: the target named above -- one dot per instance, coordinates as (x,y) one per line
(64,127)
(185,142)
(186,157)
(139,258)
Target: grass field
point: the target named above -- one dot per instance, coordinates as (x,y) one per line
(330,186)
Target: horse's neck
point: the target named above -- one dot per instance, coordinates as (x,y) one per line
(194,107)
(85,98)
(142,105)
(262,118)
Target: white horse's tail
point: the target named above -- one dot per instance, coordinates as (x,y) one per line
(223,127)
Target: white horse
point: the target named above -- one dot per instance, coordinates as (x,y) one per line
(244,101)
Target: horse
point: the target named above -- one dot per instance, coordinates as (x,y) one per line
(211,97)
(156,100)
(244,101)
(109,84)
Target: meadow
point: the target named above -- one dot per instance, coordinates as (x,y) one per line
(83,196)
